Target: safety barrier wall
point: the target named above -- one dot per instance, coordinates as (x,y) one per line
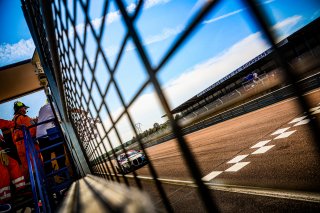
(281,94)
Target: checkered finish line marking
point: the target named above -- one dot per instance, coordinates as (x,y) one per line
(315,110)
(261,146)
(236,167)
(211,175)
(237,159)
(284,135)
(262,150)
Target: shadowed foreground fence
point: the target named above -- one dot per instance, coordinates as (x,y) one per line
(72,64)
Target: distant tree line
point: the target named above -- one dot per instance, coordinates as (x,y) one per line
(148,132)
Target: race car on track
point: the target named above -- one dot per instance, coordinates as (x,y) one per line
(133,160)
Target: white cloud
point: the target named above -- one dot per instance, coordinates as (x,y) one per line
(131,7)
(268,1)
(111,17)
(286,27)
(289,22)
(151,3)
(205,74)
(201,2)
(283,28)
(198,5)
(147,109)
(115,15)
(11,53)
(315,15)
(166,33)
(96,22)
(223,16)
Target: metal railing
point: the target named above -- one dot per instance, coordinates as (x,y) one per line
(71,52)
(36,172)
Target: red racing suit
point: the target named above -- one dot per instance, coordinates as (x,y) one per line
(11,171)
(25,120)
(6,124)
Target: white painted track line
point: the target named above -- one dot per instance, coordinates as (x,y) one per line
(237,159)
(237,167)
(285,134)
(260,144)
(280,131)
(314,109)
(316,112)
(305,121)
(267,192)
(297,119)
(211,175)
(262,150)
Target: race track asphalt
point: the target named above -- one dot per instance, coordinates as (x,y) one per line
(271,148)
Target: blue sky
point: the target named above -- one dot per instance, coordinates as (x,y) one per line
(34,101)
(12,23)
(15,39)
(226,39)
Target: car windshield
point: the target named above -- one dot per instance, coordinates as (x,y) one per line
(121,157)
(131,152)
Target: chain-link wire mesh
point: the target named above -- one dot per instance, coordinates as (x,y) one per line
(93,82)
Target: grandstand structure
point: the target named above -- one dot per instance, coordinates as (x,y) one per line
(259,75)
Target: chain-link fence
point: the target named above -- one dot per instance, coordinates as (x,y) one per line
(93,81)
